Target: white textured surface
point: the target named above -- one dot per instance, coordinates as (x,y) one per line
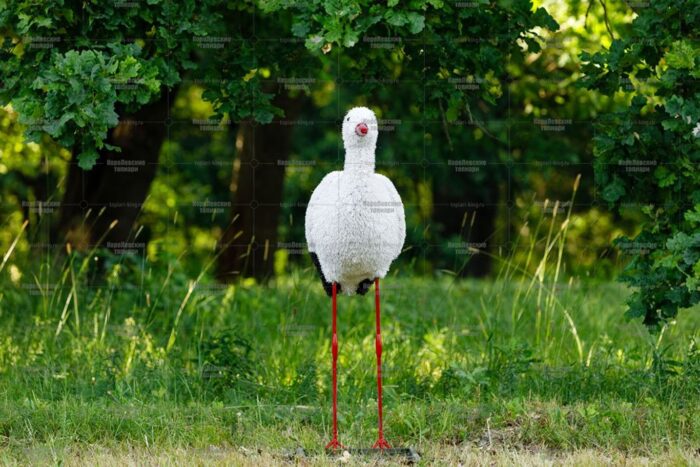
(355,219)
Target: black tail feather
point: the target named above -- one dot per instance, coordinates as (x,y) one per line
(362,288)
(327,286)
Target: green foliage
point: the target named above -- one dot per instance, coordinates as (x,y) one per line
(25,176)
(226,362)
(508,79)
(73,98)
(647,156)
(467,350)
(71,89)
(181,360)
(74,79)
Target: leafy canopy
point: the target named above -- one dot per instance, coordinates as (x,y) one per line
(74,69)
(647,157)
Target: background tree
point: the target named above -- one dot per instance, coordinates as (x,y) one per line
(449,94)
(412,64)
(647,156)
(101,88)
(96,85)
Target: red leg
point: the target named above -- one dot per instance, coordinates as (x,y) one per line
(381,442)
(334,443)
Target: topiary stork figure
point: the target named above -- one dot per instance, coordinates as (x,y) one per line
(355,228)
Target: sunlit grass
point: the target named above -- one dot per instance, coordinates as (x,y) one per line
(113,350)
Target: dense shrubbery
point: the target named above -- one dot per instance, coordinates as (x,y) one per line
(647,156)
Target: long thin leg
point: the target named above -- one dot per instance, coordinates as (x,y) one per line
(381,442)
(334,443)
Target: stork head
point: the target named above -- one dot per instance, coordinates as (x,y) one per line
(360,129)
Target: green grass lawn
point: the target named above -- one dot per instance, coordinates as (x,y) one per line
(171,370)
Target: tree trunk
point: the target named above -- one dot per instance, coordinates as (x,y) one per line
(116,187)
(248,245)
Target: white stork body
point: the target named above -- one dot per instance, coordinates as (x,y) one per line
(355,223)
(355,228)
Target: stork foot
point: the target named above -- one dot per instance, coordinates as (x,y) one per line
(334,444)
(381,444)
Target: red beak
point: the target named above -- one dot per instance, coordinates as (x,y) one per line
(361,129)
